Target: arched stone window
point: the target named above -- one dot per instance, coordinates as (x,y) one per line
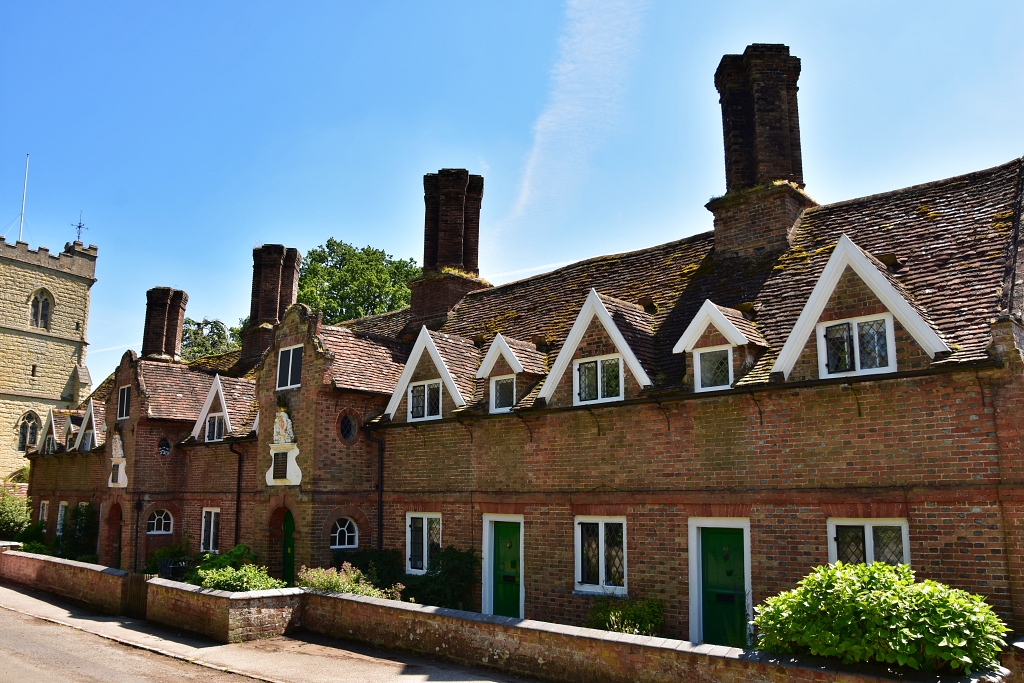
(28,431)
(345,535)
(160,522)
(41,309)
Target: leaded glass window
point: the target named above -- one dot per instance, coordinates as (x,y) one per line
(610,378)
(857,541)
(599,379)
(714,368)
(425,400)
(433,399)
(601,555)
(504,389)
(888,542)
(423,541)
(588,381)
(874,349)
(417,404)
(856,345)
(839,347)
(850,544)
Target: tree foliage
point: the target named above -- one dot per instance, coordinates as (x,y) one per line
(865,613)
(206,338)
(343,283)
(14,514)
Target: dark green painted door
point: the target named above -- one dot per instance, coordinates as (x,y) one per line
(507,568)
(288,551)
(724,598)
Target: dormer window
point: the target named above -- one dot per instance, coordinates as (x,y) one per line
(69,442)
(289,368)
(49,445)
(596,380)
(87,441)
(425,400)
(503,393)
(215,427)
(712,368)
(859,346)
(124,397)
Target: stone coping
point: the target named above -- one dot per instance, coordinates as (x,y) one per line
(10,544)
(70,563)
(229,595)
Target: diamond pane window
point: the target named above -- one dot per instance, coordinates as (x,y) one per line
(839,347)
(874,348)
(417,394)
(888,542)
(850,544)
(416,543)
(588,381)
(601,555)
(504,393)
(714,368)
(423,541)
(590,553)
(433,399)
(425,400)
(433,538)
(610,385)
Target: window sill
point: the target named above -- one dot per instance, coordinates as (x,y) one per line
(597,401)
(601,594)
(424,419)
(701,390)
(859,373)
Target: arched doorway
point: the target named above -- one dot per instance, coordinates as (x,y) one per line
(288,548)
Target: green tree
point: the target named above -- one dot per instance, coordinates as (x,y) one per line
(14,514)
(342,282)
(205,338)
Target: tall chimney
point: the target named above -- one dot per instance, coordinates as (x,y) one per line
(165,316)
(275,286)
(451,242)
(764,175)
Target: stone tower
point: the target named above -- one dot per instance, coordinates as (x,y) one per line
(44,314)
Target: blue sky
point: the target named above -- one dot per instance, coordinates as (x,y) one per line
(187,133)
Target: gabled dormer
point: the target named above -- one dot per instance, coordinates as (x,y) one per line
(510,367)
(720,344)
(597,364)
(214,422)
(858,320)
(69,435)
(428,388)
(48,435)
(90,434)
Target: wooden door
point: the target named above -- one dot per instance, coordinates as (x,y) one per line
(723,593)
(507,569)
(288,549)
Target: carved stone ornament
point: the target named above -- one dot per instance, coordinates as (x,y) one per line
(117,447)
(283,432)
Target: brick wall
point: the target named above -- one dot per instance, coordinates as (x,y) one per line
(224,616)
(99,587)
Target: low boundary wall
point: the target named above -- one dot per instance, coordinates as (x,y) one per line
(224,616)
(101,588)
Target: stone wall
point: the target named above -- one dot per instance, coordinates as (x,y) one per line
(96,586)
(223,616)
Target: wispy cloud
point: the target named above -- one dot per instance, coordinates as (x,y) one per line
(584,103)
(526,271)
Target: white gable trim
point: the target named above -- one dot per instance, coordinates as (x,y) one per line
(215,390)
(592,307)
(499,347)
(709,315)
(423,343)
(47,428)
(87,424)
(848,254)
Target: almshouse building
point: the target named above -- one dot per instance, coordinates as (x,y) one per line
(702,421)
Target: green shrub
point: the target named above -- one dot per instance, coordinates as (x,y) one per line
(348,579)
(248,577)
(81,527)
(448,582)
(381,568)
(14,515)
(862,613)
(637,616)
(37,548)
(34,532)
(236,558)
(175,551)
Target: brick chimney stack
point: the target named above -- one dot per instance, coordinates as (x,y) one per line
(165,316)
(275,285)
(451,243)
(763,164)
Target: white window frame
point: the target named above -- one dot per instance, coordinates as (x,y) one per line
(600,588)
(890,342)
(44,513)
(124,407)
(869,545)
(697,386)
(694,525)
(160,533)
(219,417)
(408,539)
(344,547)
(487,561)
(62,515)
(576,401)
(280,354)
(88,440)
(494,395)
(440,400)
(49,445)
(204,542)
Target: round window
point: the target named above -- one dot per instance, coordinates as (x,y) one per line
(164,447)
(348,428)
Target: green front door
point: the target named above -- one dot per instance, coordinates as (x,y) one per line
(507,568)
(723,595)
(288,549)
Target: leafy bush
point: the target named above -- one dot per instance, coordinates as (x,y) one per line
(346,580)
(637,616)
(14,515)
(37,548)
(236,558)
(448,582)
(248,577)
(175,551)
(33,533)
(876,612)
(81,527)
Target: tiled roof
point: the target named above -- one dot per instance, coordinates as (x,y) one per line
(99,413)
(947,246)
(240,396)
(364,362)
(176,391)
(101,393)
(227,364)
(532,360)
(462,358)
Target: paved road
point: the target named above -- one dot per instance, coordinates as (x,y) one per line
(32,649)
